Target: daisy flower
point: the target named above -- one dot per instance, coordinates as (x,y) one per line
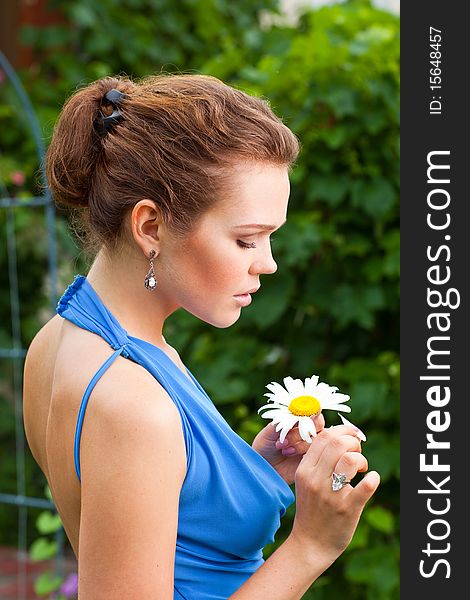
(298,402)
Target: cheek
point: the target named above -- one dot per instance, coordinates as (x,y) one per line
(214,266)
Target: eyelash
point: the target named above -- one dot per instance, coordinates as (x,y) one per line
(251,245)
(245,245)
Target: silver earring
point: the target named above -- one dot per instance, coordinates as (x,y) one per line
(150,281)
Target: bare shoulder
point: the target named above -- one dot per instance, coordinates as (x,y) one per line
(133,464)
(129,412)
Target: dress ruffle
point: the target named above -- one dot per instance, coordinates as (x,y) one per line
(69,293)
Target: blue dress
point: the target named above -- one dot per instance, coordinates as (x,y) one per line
(232,499)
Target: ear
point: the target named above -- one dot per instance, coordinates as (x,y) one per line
(147,226)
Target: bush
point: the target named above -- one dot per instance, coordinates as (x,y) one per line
(333,306)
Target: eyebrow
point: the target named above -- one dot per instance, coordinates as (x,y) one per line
(259,226)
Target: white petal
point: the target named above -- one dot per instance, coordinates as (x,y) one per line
(294,386)
(342,407)
(269,414)
(272,405)
(341,397)
(287,419)
(284,433)
(307,428)
(360,434)
(334,400)
(313,380)
(279,392)
(277,397)
(323,391)
(286,425)
(310,387)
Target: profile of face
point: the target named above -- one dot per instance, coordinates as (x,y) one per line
(230,247)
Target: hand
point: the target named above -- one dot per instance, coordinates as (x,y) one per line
(325,520)
(284,458)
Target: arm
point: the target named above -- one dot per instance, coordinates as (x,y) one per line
(133,464)
(324,521)
(286,575)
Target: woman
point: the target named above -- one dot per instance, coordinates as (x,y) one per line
(182,179)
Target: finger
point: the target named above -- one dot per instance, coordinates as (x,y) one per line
(364,490)
(288,440)
(319,421)
(294,438)
(293,444)
(299,447)
(350,464)
(324,438)
(359,434)
(294,435)
(333,451)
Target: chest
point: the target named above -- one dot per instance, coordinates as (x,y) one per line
(230,492)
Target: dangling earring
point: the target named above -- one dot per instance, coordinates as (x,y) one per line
(150,281)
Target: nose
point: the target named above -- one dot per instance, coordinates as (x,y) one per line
(264,264)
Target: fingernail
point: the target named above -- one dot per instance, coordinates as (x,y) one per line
(289,451)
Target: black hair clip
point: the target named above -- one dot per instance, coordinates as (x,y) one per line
(103,123)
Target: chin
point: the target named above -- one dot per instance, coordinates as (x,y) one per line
(221,323)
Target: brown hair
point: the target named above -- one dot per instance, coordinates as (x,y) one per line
(174,145)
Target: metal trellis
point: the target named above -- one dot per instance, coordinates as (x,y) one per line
(16,353)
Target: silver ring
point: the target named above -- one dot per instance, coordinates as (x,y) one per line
(339,481)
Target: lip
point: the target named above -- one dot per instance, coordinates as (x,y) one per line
(243,299)
(252,291)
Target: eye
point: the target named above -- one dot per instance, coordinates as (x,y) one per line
(245,245)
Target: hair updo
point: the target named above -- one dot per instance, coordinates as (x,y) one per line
(174,144)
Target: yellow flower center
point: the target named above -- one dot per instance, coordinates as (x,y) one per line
(304,406)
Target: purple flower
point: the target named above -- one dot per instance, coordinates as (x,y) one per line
(70,586)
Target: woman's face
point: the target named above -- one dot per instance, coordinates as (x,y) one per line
(228,251)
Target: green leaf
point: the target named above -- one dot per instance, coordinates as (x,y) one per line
(268,307)
(43,549)
(353,304)
(47,493)
(383,454)
(380,518)
(47,583)
(360,537)
(375,197)
(376,567)
(48,522)
(367,397)
(83,15)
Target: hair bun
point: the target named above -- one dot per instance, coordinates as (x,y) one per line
(72,156)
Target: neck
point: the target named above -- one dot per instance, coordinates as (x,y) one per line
(119,282)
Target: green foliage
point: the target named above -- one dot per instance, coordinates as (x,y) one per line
(48,523)
(136,38)
(46,583)
(43,549)
(332,307)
